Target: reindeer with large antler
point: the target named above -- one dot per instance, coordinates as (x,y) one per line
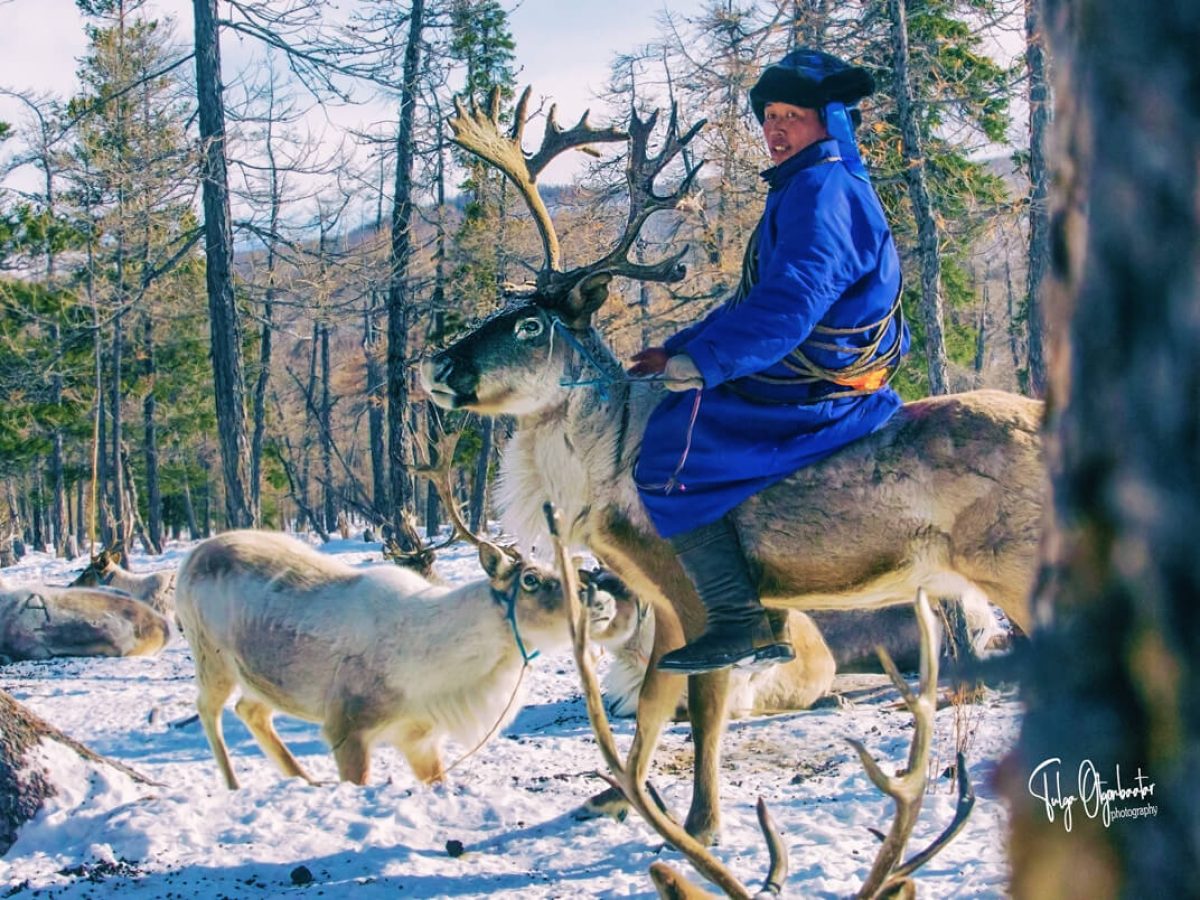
(947,496)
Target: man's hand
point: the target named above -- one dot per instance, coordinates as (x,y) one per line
(681,374)
(650,361)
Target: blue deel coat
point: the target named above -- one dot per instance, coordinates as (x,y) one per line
(825,258)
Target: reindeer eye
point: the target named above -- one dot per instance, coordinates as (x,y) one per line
(530,581)
(526,329)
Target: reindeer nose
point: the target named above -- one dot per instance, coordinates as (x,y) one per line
(443,366)
(456,374)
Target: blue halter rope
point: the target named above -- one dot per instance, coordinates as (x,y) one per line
(606,378)
(508,599)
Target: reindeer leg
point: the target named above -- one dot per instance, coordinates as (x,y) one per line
(352,755)
(425,758)
(257,716)
(707,696)
(657,702)
(214,685)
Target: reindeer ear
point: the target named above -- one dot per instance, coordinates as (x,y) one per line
(494,560)
(588,296)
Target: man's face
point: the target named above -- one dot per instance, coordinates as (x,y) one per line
(789,129)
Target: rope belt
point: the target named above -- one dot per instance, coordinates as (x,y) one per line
(866,374)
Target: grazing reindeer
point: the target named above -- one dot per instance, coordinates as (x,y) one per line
(155,589)
(622,624)
(377,654)
(43,622)
(947,496)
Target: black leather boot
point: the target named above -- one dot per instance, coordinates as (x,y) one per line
(738,631)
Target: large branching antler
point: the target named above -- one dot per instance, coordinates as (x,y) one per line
(887,878)
(640,174)
(421,558)
(478,131)
(668,882)
(439,476)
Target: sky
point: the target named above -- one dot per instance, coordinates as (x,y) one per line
(563,50)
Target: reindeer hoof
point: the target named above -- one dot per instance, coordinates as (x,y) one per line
(610,802)
(706,834)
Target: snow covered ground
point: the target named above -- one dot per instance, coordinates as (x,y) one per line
(509,806)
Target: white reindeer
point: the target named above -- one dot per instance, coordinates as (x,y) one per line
(374,655)
(624,625)
(155,589)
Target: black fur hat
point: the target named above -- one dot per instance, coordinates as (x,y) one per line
(811,79)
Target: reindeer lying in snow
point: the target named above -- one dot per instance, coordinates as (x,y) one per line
(43,622)
(826,643)
(624,625)
(376,654)
(152,588)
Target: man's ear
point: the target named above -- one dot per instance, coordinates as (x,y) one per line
(587,297)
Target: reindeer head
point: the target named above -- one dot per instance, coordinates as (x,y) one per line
(614,612)
(98,572)
(529,593)
(513,362)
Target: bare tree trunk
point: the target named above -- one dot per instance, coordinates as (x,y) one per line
(1039,189)
(258,434)
(154,525)
(398,287)
(37,507)
(1014,340)
(218,249)
(58,508)
(267,329)
(100,494)
(81,533)
(437,333)
(478,510)
(116,427)
(189,510)
(26,784)
(137,526)
(326,431)
(928,233)
(1114,679)
(304,477)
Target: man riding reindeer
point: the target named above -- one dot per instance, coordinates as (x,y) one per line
(794,366)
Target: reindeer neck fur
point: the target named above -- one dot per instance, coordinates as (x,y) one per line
(578,451)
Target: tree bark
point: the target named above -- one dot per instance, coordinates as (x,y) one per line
(25,784)
(224,324)
(58,508)
(478,510)
(1115,677)
(1039,190)
(267,331)
(154,514)
(325,428)
(398,287)
(928,232)
(189,509)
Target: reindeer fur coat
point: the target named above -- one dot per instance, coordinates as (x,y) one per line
(825,259)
